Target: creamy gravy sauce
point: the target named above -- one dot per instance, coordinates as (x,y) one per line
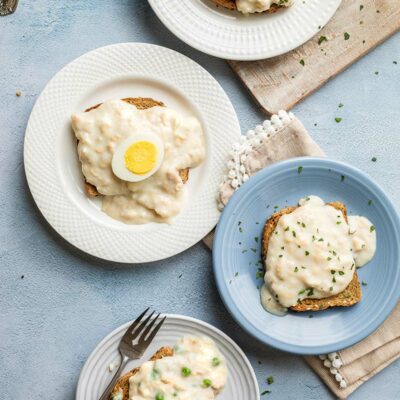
(158,198)
(197,370)
(313,252)
(253,6)
(269,302)
(363,236)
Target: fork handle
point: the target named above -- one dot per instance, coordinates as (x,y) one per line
(107,392)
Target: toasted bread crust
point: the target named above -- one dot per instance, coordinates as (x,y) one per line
(141,103)
(123,382)
(351,295)
(231,5)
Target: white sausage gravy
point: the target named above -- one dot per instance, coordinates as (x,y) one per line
(254,6)
(197,370)
(313,253)
(161,196)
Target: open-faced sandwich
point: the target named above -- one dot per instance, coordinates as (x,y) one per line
(254,6)
(310,254)
(136,153)
(193,369)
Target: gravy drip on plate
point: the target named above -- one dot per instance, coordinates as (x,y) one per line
(158,198)
(197,370)
(313,252)
(254,6)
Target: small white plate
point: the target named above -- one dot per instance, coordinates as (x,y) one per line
(54,172)
(231,35)
(95,375)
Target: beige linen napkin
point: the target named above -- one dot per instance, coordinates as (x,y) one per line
(284,136)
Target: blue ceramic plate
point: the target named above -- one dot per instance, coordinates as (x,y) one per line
(237,247)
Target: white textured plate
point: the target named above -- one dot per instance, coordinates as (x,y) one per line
(54,172)
(231,35)
(95,375)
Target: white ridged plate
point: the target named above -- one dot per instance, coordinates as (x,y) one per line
(95,375)
(54,173)
(231,35)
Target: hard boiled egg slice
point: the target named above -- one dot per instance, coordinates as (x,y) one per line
(138,157)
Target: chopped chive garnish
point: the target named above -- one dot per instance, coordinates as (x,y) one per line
(322,39)
(270,380)
(299,169)
(346,36)
(215,362)
(186,372)
(337,119)
(302,62)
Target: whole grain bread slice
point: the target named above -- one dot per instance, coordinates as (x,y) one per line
(351,295)
(122,385)
(231,5)
(141,103)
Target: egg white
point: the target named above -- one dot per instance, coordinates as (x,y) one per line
(118,161)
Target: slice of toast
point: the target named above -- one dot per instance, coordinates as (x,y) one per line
(351,295)
(231,5)
(141,103)
(122,385)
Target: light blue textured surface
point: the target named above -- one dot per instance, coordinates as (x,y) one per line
(52,319)
(240,230)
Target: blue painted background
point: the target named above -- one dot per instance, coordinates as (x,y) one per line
(67,301)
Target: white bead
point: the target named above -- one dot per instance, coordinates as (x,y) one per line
(322,357)
(291,115)
(271,130)
(343,384)
(327,364)
(259,128)
(220,206)
(231,164)
(337,363)
(263,135)
(232,173)
(243,158)
(256,142)
(235,183)
(267,123)
(282,114)
(242,169)
(245,178)
(338,377)
(250,134)
(334,371)
(275,119)
(332,356)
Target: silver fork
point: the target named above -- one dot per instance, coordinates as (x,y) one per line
(8,6)
(130,351)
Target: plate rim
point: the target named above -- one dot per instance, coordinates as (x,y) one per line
(179,317)
(235,311)
(196,68)
(228,56)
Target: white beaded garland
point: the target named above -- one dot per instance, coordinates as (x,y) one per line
(237,173)
(338,377)
(334,371)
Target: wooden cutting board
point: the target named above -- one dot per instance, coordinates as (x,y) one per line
(281,82)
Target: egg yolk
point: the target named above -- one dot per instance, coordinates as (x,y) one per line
(141,157)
